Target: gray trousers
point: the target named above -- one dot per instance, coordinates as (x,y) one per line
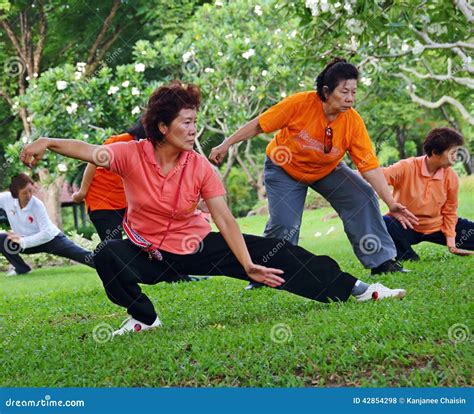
(349,194)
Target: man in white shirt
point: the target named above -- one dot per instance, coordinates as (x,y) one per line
(32,230)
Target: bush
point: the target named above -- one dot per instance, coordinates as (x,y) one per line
(241,195)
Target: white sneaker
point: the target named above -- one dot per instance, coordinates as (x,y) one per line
(12,272)
(132,325)
(377,291)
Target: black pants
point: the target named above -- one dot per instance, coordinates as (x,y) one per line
(122,266)
(404,239)
(108,223)
(59,246)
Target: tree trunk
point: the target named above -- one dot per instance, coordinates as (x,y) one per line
(52,195)
(400,135)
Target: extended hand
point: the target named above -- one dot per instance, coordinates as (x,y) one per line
(218,154)
(460,252)
(265,275)
(32,153)
(406,218)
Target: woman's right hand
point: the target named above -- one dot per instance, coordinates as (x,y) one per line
(78,196)
(266,275)
(32,153)
(218,153)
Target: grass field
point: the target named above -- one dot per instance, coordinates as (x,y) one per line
(217,334)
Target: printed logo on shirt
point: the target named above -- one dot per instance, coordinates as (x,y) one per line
(30,219)
(306,142)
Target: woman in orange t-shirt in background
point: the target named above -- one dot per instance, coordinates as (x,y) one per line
(103,191)
(315,130)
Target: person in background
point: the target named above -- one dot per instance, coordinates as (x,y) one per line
(32,230)
(428,186)
(164,180)
(315,130)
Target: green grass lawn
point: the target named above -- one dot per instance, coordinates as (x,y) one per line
(217,334)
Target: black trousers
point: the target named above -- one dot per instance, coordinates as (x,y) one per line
(404,239)
(59,246)
(108,223)
(122,266)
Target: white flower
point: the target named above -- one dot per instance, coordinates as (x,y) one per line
(61,85)
(86,136)
(28,119)
(417,48)
(337,5)
(27,78)
(258,10)
(218,3)
(143,52)
(252,88)
(228,36)
(90,109)
(78,75)
(283,94)
(366,81)
(136,110)
(62,167)
(35,75)
(112,90)
(125,84)
(24,140)
(293,34)
(139,67)
(313,6)
(220,54)
(248,54)
(188,55)
(247,40)
(81,65)
(405,47)
(135,91)
(209,70)
(71,109)
(324,6)
(355,26)
(264,72)
(348,8)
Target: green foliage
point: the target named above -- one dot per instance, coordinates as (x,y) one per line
(240,194)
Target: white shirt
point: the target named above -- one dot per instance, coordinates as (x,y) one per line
(31,223)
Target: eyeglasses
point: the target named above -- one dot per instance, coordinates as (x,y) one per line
(327,140)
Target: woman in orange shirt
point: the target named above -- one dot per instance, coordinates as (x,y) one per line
(428,186)
(164,179)
(315,130)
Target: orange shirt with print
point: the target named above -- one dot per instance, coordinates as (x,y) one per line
(106,191)
(298,146)
(433,199)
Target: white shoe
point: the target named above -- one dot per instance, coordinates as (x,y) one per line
(12,272)
(132,325)
(377,291)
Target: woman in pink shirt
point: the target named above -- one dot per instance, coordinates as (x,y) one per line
(163,179)
(428,186)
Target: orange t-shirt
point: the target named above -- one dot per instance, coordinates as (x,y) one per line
(433,199)
(298,146)
(106,190)
(152,196)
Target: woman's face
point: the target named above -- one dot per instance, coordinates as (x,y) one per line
(25,194)
(181,133)
(343,97)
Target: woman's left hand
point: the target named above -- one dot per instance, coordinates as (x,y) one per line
(403,215)
(266,275)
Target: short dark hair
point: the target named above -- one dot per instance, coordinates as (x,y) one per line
(137,130)
(164,106)
(19,182)
(336,70)
(439,140)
